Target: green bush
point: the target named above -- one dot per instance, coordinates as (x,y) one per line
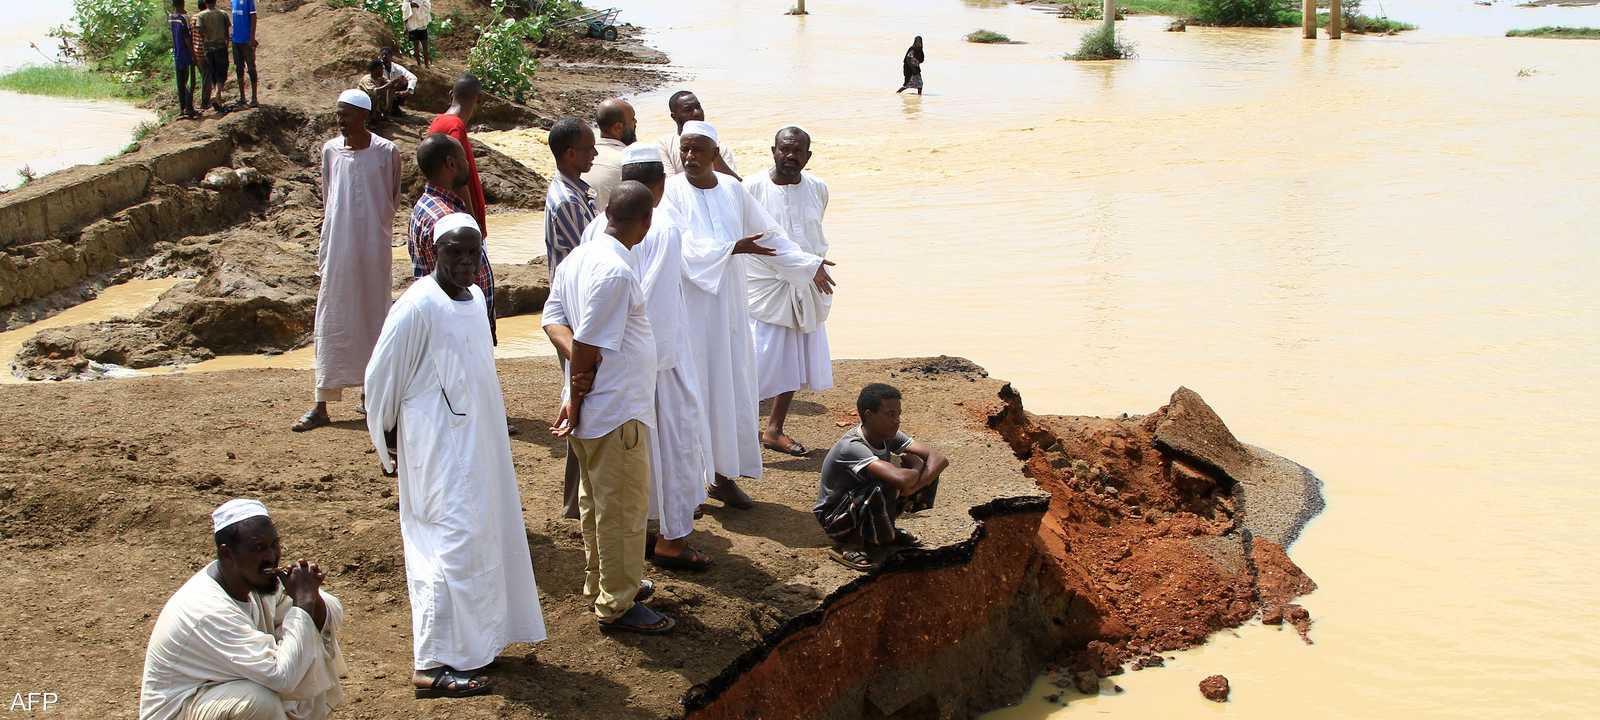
(1569,33)
(1102,44)
(501,59)
(393,17)
(986,37)
(1246,13)
(126,39)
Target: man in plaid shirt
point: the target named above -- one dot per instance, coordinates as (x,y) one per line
(444,163)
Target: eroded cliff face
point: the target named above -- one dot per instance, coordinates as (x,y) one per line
(1141,546)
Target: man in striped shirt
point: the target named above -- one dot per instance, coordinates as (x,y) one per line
(569,205)
(443,162)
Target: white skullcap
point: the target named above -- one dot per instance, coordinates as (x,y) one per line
(641,153)
(356,98)
(701,128)
(454,221)
(234,511)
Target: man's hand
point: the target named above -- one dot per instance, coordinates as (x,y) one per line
(583,382)
(302,581)
(749,246)
(823,280)
(566,420)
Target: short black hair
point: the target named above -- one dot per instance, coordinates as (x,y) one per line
(375,65)
(791,130)
(466,86)
(672,102)
(873,395)
(648,173)
(564,135)
(608,114)
(630,202)
(433,151)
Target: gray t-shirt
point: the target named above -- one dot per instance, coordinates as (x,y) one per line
(844,469)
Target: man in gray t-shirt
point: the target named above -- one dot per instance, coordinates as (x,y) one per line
(872,475)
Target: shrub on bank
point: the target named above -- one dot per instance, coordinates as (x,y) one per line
(127,39)
(393,17)
(1246,13)
(986,37)
(1102,44)
(64,81)
(1566,33)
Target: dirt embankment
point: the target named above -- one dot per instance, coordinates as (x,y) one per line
(1083,543)
(247,239)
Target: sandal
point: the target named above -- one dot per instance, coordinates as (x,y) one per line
(639,619)
(311,421)
(692,560)
(795,448)
(857,560)
(906,539)
(449,682)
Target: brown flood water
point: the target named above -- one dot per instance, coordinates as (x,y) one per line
(1374,256)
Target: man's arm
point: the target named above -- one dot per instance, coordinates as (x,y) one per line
(903,480)
(253,43)
(933,463)
(585,358)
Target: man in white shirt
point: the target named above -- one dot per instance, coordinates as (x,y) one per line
(786,318)
(245,638)
(391,84)
(596,318)
(684,107)
(618,129)
(418,13)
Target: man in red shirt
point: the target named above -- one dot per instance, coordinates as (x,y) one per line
(464,96)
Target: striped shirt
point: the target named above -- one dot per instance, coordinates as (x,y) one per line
(568,208)
(435,203)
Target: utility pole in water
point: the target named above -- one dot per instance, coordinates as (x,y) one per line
(1111,17)
(1308,18)
(1335,20)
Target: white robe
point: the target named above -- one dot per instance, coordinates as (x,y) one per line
(679,468)
(712,222)
(466,546)
(360,189)
(787,318)
(672,154)
(204,637)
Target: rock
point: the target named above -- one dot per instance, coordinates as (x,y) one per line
(222,179)
(1087,682)
(1215,688)
(1177,25)
(249,176)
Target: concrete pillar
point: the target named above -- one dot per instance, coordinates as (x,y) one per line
(1335,20)
(1308,18)
(1111,16)
(801,7)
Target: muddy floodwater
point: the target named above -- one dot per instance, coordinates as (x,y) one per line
(1375,256)
(48,134)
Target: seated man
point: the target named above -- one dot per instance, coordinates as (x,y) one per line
(872,475)
(245,639)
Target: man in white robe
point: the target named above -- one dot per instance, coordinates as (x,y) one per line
(244,639)
(679,471)
(432,383)
(360,190)
(719,221)
(684,107)
(786,318)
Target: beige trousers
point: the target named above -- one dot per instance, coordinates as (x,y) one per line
(237,700)
(613,502)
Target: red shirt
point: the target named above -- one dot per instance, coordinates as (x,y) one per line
(453,126)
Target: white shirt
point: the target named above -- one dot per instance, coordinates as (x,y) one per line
(396,70)
(596,292)
(417,18)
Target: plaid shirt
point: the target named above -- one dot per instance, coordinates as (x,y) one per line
(435,203)
(568,208)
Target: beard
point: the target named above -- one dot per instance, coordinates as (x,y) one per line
(630,137)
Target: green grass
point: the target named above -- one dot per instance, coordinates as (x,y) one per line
(65,81)
(1101,44)
(1565,33)
(1174,8)
(986,37)
(1369,25)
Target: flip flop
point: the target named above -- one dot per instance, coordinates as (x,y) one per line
(692,560)
(449,682)
(310,421)
(795,448)
(639,619)
(906,539)
(857,560)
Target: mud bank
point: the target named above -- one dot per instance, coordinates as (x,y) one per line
(233,204)
(1024,566)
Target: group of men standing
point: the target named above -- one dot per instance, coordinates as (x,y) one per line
(202,44)
(675,307)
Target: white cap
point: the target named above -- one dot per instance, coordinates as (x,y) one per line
(701,128)
(234,511)
(454,221)
(641,153)
(356,98)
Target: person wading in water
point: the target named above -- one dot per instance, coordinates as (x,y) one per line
(912,67)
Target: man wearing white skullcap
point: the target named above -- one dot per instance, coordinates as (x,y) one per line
(247,637)
(684,107)
(434,400)
(360,190)
(679,467)
(720,220)
(786,318)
